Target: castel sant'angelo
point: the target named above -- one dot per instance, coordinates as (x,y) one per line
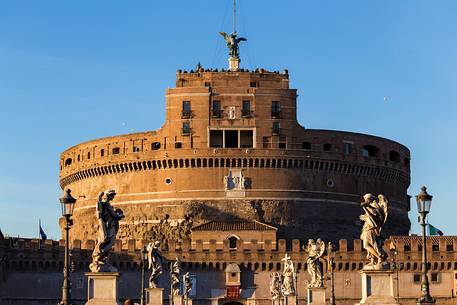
(232,185)
(231,149)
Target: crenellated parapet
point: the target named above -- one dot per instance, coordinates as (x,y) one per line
(36,255)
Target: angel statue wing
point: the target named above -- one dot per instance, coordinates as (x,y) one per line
(383,203)
(321,245)
(241,39)
(226,37)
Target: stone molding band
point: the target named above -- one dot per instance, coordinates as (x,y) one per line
(343,168)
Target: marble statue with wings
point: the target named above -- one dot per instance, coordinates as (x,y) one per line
(315,250)
(374,217)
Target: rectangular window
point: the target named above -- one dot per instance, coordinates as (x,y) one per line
(216,109)
(102,152)
(275,109)
(253,84)
(215,138)
(231,139)
(347,148)
(186,112)
(434,277)
(275,128)
(417,278)
(178,145)
(246,138)
(186,128)
(136,149)
(266,142)
(88,155)
(246,110)
(282,145)
(116,150)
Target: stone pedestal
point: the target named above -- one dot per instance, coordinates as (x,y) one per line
(290,300)
(316,296)
(154,296)
(102,288)
(377,287)
(180,300)
(234,64)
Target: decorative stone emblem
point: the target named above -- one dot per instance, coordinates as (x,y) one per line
(235,180)
(231,113)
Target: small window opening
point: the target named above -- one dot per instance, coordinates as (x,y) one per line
(370,151)
(246,109)
(282,145)
(327,147)
(347,148)
(88,155)
(178,145)
(275,128)
(186,112)
(253,84)
(266,142)
(434,277)
(306,145)
(68,161)
(116,150)
(417,278)
(216,109)
(275,109)
(207,84)
(102,152)
(136,149)
(232,242)
(394,156)
(186,128)
(79,157)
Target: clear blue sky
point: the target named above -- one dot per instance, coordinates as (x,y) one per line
(71,71)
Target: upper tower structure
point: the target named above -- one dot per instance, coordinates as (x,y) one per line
(232,149)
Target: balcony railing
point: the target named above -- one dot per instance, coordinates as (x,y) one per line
(216,113)
(246,113)
(186,114)
(275,114)
(275,131)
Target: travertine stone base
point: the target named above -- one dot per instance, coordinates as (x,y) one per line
(154,296)
(316,296)
(234,64)
(102,288)
(289,300)
(179,300)
(377,287)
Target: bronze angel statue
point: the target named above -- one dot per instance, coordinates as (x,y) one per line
(374,217)
(315,250)
(232,43)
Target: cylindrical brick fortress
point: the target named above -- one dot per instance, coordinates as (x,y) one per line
(231,149)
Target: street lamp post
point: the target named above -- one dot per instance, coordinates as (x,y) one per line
(144,257)
(67,203)
(424,202)
(331,266)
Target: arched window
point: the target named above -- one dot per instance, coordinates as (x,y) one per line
(232,241)
(370,151)
(116,150)
(394,156)
(68,161)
